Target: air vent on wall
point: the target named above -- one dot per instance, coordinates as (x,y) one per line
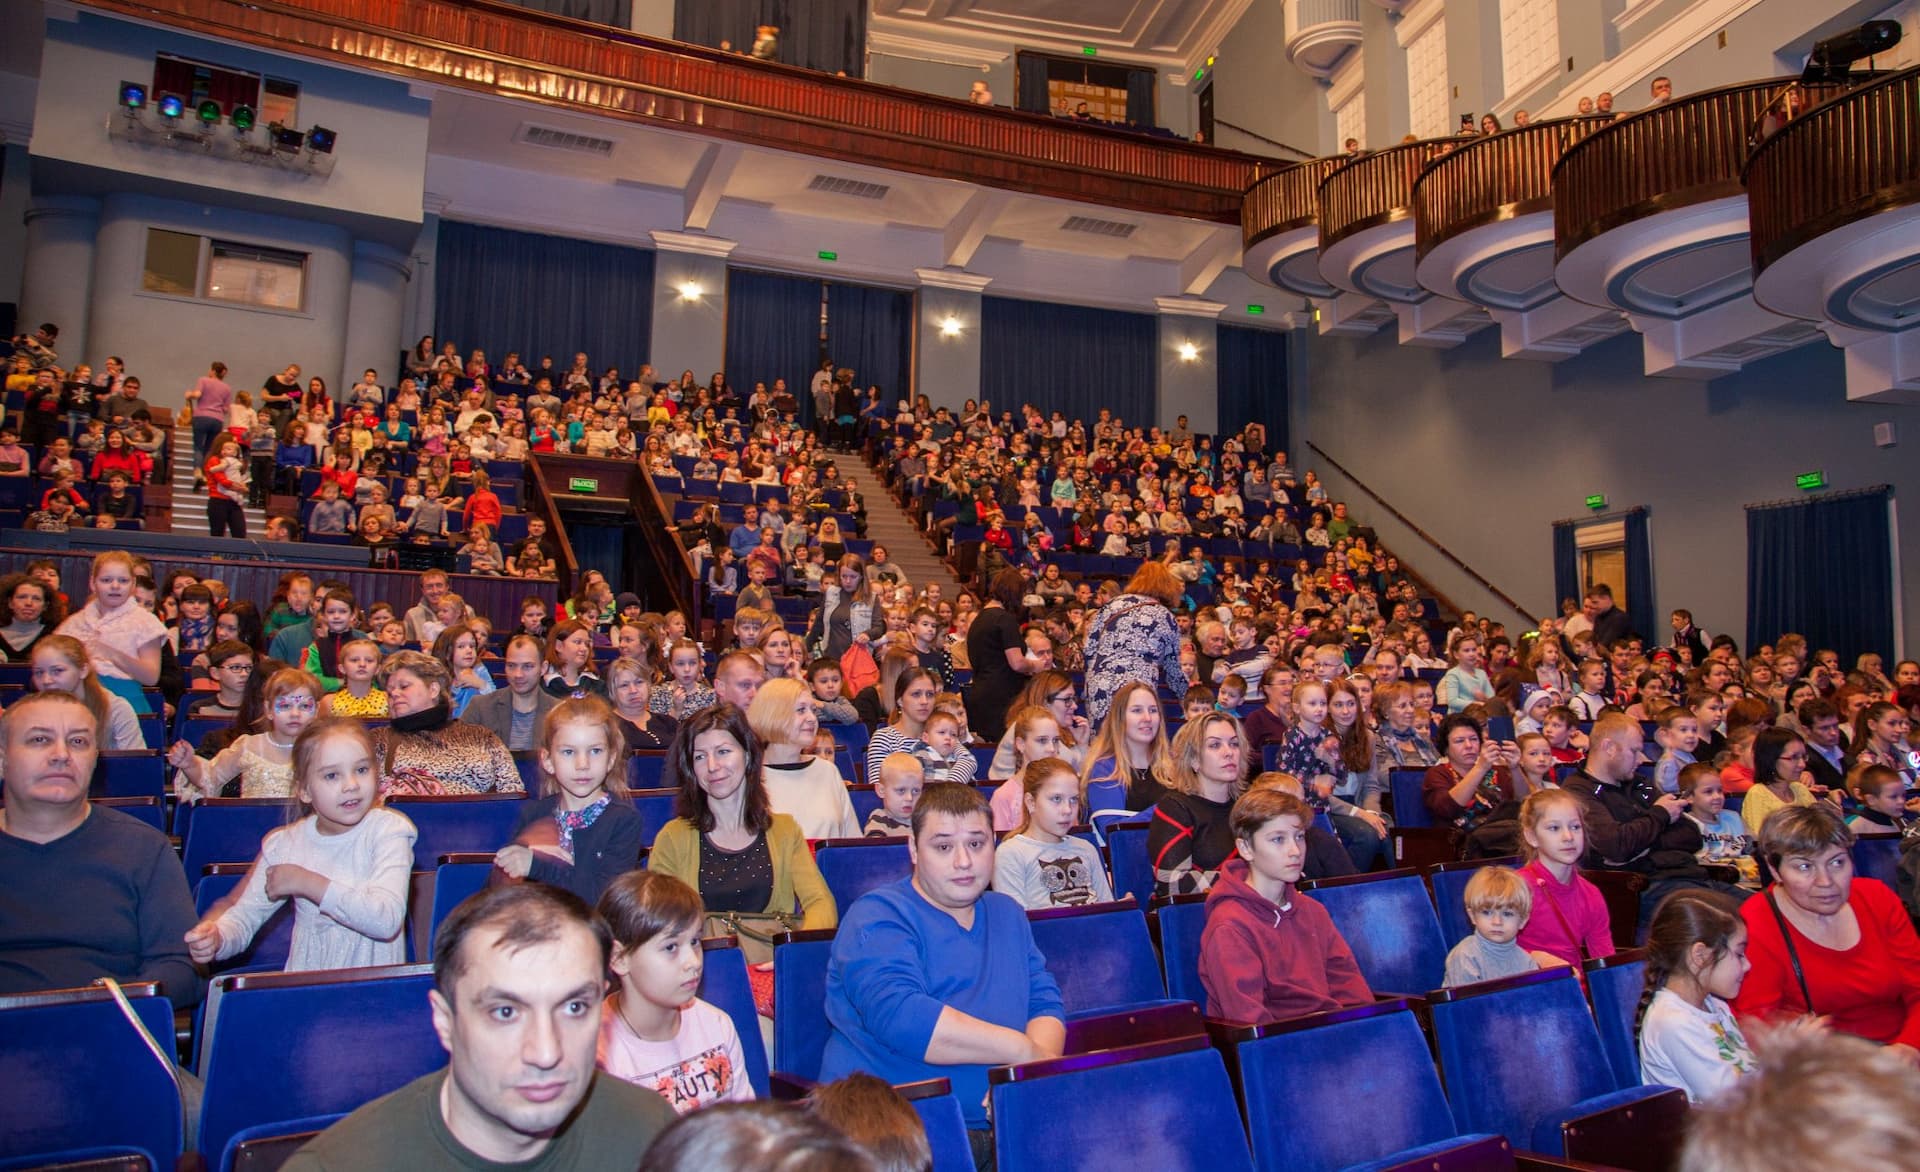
(852,187)
(1114,228)
(564,140)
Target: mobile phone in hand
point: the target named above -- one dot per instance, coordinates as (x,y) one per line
(1500,728)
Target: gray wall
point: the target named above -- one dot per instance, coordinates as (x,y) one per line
(1451,437)
(689,335)
(947,369)
(1255,87)
(1187,388)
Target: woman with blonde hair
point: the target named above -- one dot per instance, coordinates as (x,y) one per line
(1134,637)
(876,701)
(808,789)
(1127,756)
(1053,691)
(1192,833)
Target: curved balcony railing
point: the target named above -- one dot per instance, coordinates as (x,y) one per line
(1688,151)
(1285,200)
(1500,177)
(1854,156)
(1376,189)
(500,48)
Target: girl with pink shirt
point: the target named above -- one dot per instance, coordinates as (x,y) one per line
(1569,919)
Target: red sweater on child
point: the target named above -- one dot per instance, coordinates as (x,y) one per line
(1871,989)
(1261,962)
(1569,920)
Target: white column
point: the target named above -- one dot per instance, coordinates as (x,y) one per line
(946,340)
(689,303)
(376,309)
(1189,363)
(57,281)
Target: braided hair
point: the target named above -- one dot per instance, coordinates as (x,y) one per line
(1683,919)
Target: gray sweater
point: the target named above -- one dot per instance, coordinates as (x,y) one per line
(1476,959)
(1047,874)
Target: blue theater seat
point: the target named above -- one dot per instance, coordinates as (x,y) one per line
(724,985)
(456,875)
(1127,861)
(854,866)
(1522,1058)
(527,763)
(265,1146)
(1389,922)
(646,771)
(130,773)
(800,979)
(226,830)
(946,1126)
(82,1083)
(279,1047)
(1166,1105)
(1326,1067)
(1409,809)
(271,943)
(193,729)
(865,801)
(1101,955)
(1448,882)
(1877,856)
(656,810)
(1181,920)
(1614,985)
(478,823)
(150,810)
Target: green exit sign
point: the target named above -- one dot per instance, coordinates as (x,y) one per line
(1809,481)
(582,484)
(1596,500)
(1089,51)
(825,255)
(1256,310)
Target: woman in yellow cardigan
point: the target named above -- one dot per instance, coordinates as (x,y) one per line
(727,843)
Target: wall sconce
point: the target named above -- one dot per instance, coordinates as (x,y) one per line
(1189,352)
(949,326)
(690,291)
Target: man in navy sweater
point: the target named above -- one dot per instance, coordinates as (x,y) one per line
(84,892)
(934,976)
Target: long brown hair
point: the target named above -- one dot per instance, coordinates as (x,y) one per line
(1682,920)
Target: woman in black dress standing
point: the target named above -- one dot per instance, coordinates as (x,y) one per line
(998,652)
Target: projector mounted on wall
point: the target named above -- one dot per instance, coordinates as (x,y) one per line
(210,132)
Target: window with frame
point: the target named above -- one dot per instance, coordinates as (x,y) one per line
(181,264)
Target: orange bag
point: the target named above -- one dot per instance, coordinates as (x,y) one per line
(858,670)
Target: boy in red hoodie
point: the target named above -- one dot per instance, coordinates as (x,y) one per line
(1268,952)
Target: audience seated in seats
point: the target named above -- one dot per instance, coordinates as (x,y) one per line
(935,976)
(807,789)
(1696,962)
(1499,902)
(423,750)
(1569,919)
(513,714)
(519,978)
(1268,952)
(1042,864)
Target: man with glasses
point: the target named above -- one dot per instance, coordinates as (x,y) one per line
(1826,756)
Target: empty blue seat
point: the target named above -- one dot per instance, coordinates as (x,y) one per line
(1358,1085)
(1522,1058)
(456,876)
(854,866)
(800,980)
(1448,882)
(467,823)
(1614,985)
(1127,858)
(227,830)
(724,985)
(1409,808)
(645,770)
(271,943)
(148,809)
(1389,922)
(1167,1106)
(1181,921)
(131,773)
(82,1080)
(853,736)
(656,810)
(527,763)
(285,1046)
(1101,956)
(1877,856)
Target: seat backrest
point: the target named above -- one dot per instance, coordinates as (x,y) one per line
(1167,1106)
(1448,882)
(285,1046)
(1127,854)
(455,825)
(132,773)
(1513,1051)
(1181,922)
(78,1076)
(645,771)
(1100,954)
(1409,808)
(1877,856)
(527,763)
(1614,985)
(229,830)
(946,1132)
(800,979)
(865,801)
(455,878)
(1375,1055)
(1389,922)
(854,866)
(148,809)
(266,1146)
(724,985)
(656,810)
(271,943)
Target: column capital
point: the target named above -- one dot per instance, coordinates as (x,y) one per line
(699,244)
(1189,307)
(63,207)
(958,279)
(387,257)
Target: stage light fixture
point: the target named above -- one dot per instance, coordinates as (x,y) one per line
(287,139)
(133,95)
(172,107)
(242,118)
(208,112)
(320,140)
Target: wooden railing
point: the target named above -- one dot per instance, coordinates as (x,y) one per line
(1855,155)
(1688,151)
(624,490)
(1376,189)
(1285,200)
(1490,179)
(498,48)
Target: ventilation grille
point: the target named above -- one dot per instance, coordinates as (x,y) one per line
(853,187)
(1088,224)
(564,140)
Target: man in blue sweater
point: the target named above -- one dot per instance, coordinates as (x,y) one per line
(934,976)
(84,892)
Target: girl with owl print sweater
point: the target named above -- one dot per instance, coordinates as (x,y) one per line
(1042,864)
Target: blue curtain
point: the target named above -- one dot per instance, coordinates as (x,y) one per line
(1140,97)
(1032,82)
(1823,568)
(1068,358)
(773,331)
(1253,382)
(618,13)
(828,35)
(871,330)
(1566,567)
(1639,552)
(498,291)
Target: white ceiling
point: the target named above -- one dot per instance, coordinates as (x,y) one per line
(1174,34)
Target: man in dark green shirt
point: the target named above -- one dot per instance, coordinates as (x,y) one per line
(519,981)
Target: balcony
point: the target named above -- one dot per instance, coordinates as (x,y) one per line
(1319,33)
(1483,228)
(496,48)
(1834,200)
(1367,242)
(1650,218)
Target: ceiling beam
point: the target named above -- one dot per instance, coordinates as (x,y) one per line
(964,233)
(1200,268)
(709,182)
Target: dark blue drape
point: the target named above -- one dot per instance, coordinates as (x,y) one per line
(1639,600)
(1140,97)
(618,13)
(1566,566)
(773,331)
(1068,358)
(828,35)
(1034,96)
(871,330)
(1253,382)
(497,291)
(1823,568)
